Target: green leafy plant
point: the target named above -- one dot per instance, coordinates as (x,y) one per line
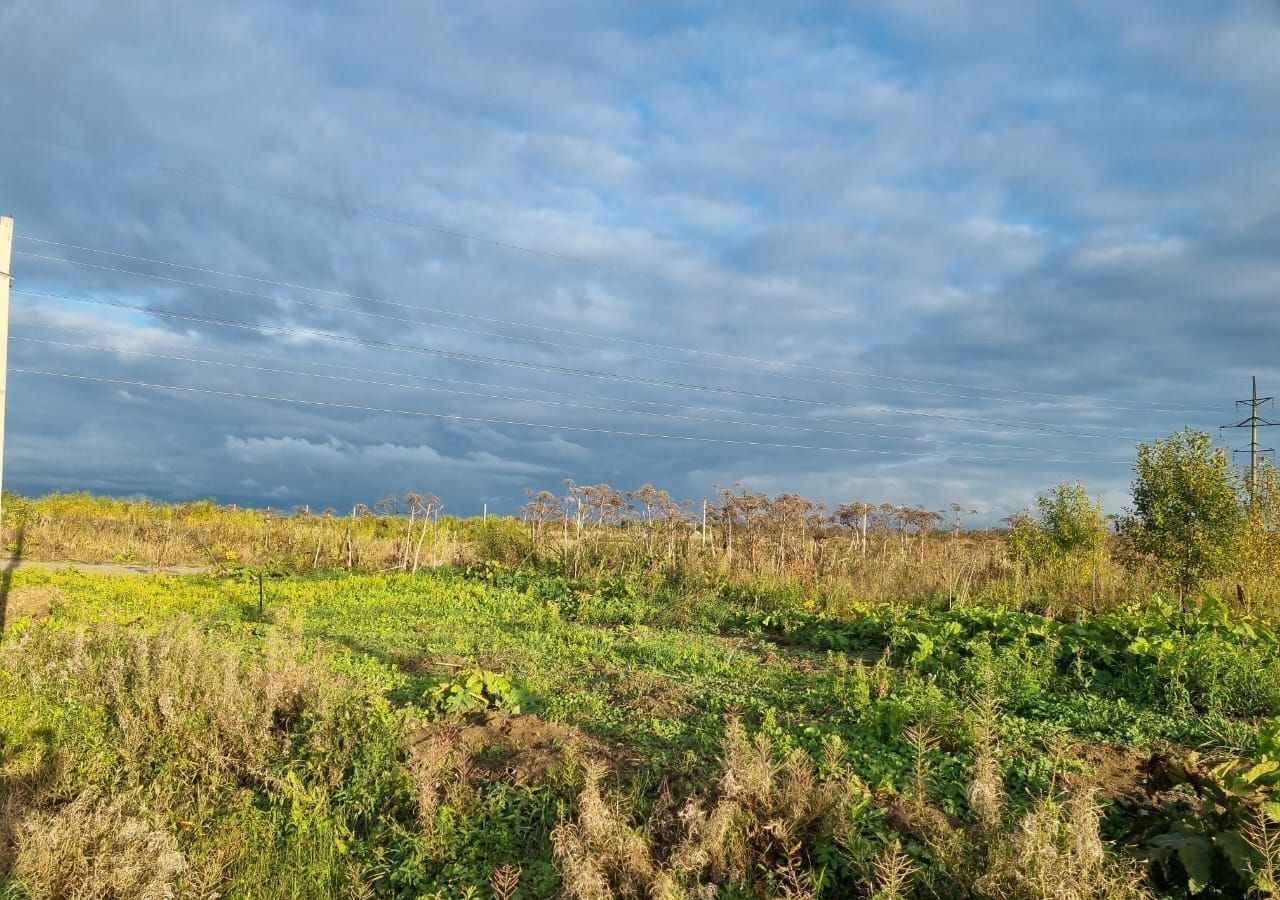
(1200,836)
(475,690)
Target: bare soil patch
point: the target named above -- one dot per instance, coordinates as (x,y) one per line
(1116,772)
(53,565)
(524,748)
(33,602)
(655,695)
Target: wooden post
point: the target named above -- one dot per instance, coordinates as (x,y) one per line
(6,268)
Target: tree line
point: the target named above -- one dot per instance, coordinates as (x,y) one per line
(1193,517)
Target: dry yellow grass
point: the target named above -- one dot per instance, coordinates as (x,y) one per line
(750,539)
(1055,853)
(96,850)
(750,832)
(189,717)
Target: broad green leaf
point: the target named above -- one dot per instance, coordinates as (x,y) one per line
(1237,850)
(1196,855)
(1263,768)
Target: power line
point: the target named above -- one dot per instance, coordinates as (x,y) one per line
(347,311)
(375,383)
(538,390)
(352,210)
(508,337)
(521,424)
(1091,400)
(1047,428)
(372,214)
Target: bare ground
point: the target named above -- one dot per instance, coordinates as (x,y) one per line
(8,565)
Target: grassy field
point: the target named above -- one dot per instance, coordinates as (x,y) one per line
(507,732)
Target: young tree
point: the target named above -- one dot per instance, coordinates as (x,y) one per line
(1068,523)
(1187,510)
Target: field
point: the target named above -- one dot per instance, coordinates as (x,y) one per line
(500,730)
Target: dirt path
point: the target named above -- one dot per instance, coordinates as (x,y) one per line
(8,565)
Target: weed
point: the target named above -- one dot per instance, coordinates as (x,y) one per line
(91,848)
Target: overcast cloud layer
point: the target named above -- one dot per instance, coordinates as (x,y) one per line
(964,204)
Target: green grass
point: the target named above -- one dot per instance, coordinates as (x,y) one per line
(324,801)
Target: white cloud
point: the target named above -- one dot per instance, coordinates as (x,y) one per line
(287,450)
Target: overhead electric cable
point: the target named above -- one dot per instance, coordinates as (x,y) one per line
(530,389)
(538,341)
(522,424)
(482,396)
(493,334)
(1090,400)
(1046,427)
(352,210)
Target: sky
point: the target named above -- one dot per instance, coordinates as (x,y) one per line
(917,252)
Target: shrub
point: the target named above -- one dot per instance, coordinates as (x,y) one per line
(1186,511)
(1068,524)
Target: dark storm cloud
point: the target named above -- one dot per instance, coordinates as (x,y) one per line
(1016,196)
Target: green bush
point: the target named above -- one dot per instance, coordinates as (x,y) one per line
(1068,524)
(1187,511)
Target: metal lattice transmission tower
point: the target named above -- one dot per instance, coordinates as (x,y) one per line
(1253,422)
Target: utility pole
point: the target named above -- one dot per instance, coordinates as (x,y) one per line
(6,268)
(1253,422)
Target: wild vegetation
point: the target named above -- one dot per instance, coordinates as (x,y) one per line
(1191,527)
(612,699)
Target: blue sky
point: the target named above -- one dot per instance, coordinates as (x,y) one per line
(918,222)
